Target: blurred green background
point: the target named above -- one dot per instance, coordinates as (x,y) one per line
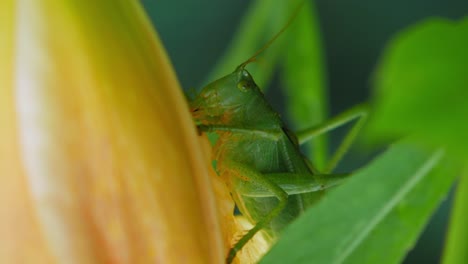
(354,33)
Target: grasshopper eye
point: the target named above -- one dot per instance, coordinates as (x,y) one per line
(243,85)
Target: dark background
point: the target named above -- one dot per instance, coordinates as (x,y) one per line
(354,34)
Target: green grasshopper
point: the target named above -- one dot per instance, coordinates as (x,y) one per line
(259,158)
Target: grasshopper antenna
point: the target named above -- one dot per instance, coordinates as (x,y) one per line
(275,37)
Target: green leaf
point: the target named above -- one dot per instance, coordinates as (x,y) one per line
(422,86)
(373,218)
(303,77)
(457,240)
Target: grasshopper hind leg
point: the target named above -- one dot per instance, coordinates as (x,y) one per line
(257,179)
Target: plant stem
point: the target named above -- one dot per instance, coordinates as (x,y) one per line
(457,239)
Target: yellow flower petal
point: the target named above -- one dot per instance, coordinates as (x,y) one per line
(99,159)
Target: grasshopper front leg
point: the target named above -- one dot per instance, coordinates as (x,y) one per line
(359,112)
(251,177)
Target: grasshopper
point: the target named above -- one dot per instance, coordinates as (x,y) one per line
(259,158)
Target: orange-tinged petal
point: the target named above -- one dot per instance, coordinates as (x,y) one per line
(18,227)
(99,159)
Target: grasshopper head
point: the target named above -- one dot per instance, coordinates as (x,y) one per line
(225,100)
